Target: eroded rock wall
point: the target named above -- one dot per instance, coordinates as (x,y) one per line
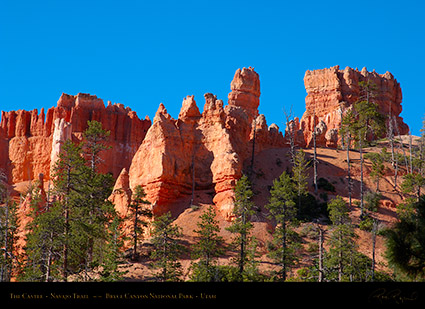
(30,142)
(331,91)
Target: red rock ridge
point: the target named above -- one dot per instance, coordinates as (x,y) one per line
(212,146)
(330,91)
(30,141)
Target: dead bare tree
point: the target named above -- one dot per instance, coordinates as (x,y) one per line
(254,125)
(291,134)
(314,151)
(401,145)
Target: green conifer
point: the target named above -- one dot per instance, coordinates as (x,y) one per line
(167,248)
(284,211)
(209,247)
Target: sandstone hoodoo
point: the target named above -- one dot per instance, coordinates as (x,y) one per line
(331,91)
(190,163)
(31,141)
(203,151)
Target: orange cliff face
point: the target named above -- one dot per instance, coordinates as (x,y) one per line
(30,142)
(208,150)
(205,149)
(331,91)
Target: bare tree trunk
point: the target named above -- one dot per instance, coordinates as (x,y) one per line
(395,174)
(401,145)
(284,253)
(410,151)
(340,266)
(65,247)
(136,212)
(374,231)
(291,134)
(390,134)
(361,179)
(321,241)
(349,170)
(394,159)
(253,144)
(4,273)
(193,180)
(49,259)
(314,150)
(66,229)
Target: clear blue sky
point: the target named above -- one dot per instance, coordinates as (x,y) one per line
(141,53)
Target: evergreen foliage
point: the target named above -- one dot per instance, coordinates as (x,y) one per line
(300,175)
(406,243)
(364,123)
(343,248)
(241,225)
(209,247)
(284,211)
(140,213)
(73,236)
(167,248)
(9,223)
(95,138)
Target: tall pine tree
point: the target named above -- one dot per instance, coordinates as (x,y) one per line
(81,218)
(284,211)
(406,243)
(342,245)
(167,248)
(140,212)
(9,223)
(241,225)
(209,247)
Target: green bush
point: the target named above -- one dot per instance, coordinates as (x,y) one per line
(324,184)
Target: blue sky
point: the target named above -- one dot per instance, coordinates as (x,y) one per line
(141,53)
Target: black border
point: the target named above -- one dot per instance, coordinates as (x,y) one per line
(137,293)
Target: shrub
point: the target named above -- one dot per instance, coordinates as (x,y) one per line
(323,183)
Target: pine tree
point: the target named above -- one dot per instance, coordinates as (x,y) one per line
(412,184)
(167,248)
(139,213)
(94,212)
(209,247)
(44,244)
(300,175)
(283,210)
(315,161)
(367,123)
(66,179)
(348,129)
(112,255)
(82,194)
(291,133)
(406,243)
(241,225)
(9,223)
(378,168)
(95,138)
(342,243)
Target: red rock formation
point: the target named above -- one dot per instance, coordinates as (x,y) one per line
(208,149)
(331,91)
(30,142)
